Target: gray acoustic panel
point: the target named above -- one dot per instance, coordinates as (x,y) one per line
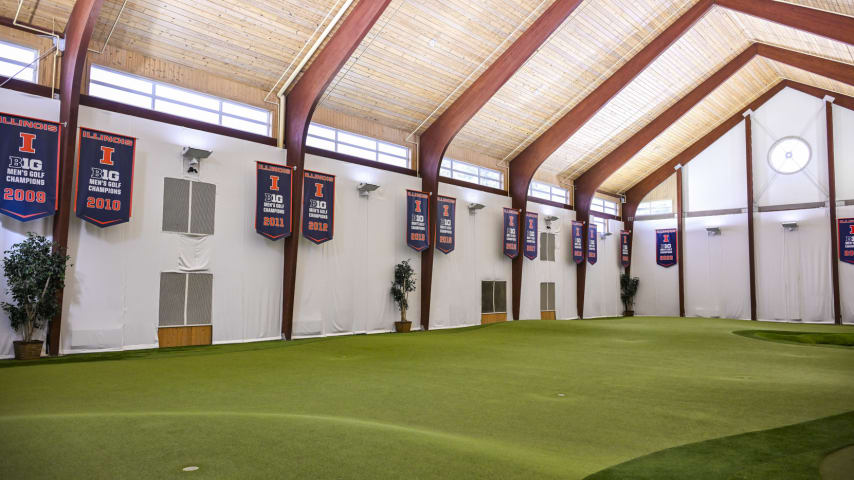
(204,208)
(172,288)
(199,298)
(176,203)
(552,238)
(500,297)
(487,305)
(547,297)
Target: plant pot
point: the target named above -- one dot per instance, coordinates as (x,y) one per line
(31,350)
(629,313)
(402,327)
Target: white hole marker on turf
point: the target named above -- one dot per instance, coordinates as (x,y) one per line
(190,469)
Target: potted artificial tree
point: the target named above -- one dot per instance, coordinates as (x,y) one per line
(403,284)
(35,271)
(628,290)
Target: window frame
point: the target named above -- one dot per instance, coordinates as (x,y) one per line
(649,208)
(485,176)
(553,193)
(380,149)
(32,64)
(605,206)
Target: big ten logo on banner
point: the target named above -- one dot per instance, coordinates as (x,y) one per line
(846,240)
(511,232)
(274,184)
(531,227)
(417,216)
(665,247)
(577,242)
(592,245)
(29,153)
(104,177)
(625,259)
(318,206)
(447,224)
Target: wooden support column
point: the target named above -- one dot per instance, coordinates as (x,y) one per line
(299,107)
(748,160)
(78,33)
(834,235)
(680,239)
(630,209)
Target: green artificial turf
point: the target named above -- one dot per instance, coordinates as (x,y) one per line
(839,339)
(538,399)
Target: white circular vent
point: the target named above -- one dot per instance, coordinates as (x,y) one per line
(789,155)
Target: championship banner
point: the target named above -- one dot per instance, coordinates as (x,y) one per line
(447,224)
(417,218)
(511,229)
(318,206)
(273,192)
(531,227)
(577,242)
(104,177)
(665,247)
(846,240)
(592,245)
(29,155)
(625,259)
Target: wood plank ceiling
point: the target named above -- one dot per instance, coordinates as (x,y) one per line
(423,53)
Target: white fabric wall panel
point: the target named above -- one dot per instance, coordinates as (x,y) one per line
(843,138)
(658,291)
(11,230)
(477,257)
(846,274)
(715,179)
(717,268)
(602,284)
(793,279)
(561,271)
(790,113)
(343,285)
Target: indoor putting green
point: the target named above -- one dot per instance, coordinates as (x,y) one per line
(620,398)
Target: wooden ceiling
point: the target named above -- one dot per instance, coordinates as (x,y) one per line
(422,54)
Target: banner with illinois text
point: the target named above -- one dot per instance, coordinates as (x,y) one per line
(273,191)
(417,220)
(29,155)
(447,225)
(318,206)
(592,245)
(511,232)
(625,259)
(846,240)
(577,236)
(665,247)
(104,177)
(531,227)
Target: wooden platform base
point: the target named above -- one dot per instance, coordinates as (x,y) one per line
(184,336)
(548,316)
(486,318)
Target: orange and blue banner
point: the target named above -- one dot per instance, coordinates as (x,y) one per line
(104,192)
(665,247)
(511,232)
(318,206)
(417,220)
(273,192)
(29,155)
(531,226)
(625,257)
(447,225)
(577,239)
(846,240)
(592,244)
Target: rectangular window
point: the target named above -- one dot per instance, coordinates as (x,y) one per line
(549,192)
(16,60)
(366,148)
(655,207)
(601,205)
(493,297)
(547,247)
(144,93)
(547,297)
(472,173)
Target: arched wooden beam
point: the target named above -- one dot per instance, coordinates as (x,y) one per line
(299,107)
(819,22)
(436,139)
(78,33)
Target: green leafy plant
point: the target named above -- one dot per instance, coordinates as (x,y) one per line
(403,284)
(35,271)
(628,290)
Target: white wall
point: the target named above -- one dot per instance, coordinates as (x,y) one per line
(843,126)
(561,271)
(715,179)
(658,290)
(602,283)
